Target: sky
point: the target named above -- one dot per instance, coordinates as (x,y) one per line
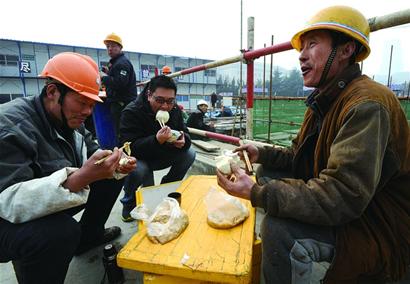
(203,29)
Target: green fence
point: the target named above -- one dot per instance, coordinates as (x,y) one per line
(284,113)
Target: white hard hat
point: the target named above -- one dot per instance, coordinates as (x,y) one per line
(201,102)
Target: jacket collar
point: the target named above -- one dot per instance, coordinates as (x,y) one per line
(321,101)
(112,60)
(44,117)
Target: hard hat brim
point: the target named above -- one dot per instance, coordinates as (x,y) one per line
(92,96)
(107,41)
(296,42)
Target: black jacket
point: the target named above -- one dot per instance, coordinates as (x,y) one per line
(121,82)
(196,120)
(138,126)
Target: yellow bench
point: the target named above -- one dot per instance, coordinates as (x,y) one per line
(214,255)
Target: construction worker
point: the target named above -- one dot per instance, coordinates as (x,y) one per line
(118,78)
(196,119)
(48,173)
(151,143)
(166,70)
(340,193)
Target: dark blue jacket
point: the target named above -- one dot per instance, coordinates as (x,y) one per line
(121,82)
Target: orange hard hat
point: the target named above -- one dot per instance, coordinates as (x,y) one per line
(166,70)
(77,71)
(114,38)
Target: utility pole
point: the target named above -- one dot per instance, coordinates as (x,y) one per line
(389,78)
(250,80)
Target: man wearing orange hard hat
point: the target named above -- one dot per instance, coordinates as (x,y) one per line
(49,173)
(340,193)
(166,70)
(118,78)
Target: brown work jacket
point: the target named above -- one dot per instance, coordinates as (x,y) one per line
(351,168)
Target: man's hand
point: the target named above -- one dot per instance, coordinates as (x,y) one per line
(180,142)
(90,172)
(163,135)
(241,187)
(104,69)
(253,152)
(127,167)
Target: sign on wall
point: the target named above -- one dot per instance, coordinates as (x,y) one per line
(25,67)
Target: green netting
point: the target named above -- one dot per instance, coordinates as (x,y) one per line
(285,111)
(406,108)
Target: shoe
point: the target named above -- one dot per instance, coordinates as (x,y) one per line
(126,210)
(110,234)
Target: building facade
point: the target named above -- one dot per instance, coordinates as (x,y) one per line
(21,62)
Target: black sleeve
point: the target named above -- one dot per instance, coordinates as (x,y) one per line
(195,120)
(119,76)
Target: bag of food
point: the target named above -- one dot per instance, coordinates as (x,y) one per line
(167,222)
(224,211)
(224,161)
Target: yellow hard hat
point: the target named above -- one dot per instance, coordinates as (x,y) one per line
(342,19)
(113,37)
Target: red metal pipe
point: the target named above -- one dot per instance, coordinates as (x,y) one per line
(193,69)
(216,136)
(253,54)
(249,84)
(223,137)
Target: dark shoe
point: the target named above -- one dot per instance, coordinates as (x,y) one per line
(126,210)
(110,234)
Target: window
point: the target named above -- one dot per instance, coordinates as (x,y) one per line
(12,60)
(147,71)
(177,69)
(182,98)
(4,98)
(9,60)
(15,96)
(210,73)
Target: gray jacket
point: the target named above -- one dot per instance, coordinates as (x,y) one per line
(35,161)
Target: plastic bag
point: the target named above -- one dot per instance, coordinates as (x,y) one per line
(141,212)
(167,222)
(224,211)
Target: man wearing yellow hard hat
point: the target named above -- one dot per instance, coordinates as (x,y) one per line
(340,193)
(118,78)
(49,173)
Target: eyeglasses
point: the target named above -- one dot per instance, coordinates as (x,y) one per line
(161,100)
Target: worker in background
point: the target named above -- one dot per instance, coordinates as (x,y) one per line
(196,119)
(150,143)
(118,78)
(225,112)
(214,99)
(48,173)
(166,70)
(340,193)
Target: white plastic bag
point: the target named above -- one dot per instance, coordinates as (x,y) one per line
(167,222)
(224,211)
(141,212)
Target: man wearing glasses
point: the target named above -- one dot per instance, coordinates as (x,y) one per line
(152,144)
